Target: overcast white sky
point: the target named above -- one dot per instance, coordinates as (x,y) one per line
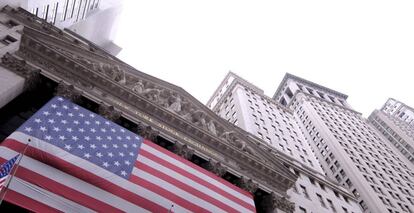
(364,49)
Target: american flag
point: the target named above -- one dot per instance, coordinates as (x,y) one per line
(5,170)
(78,161)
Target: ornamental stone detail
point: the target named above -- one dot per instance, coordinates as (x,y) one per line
(183,150)
(109,112)
(247,184)
(20,67)
(68,91)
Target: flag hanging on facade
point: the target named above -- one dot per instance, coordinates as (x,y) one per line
(77,161)
(5,170)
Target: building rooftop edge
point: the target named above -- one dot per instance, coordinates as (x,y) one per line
(409,107)
(228,75)
(291,76)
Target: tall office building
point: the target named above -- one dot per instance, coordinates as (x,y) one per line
(246,106)
(395,120)
(324,136)
(94,20)
(349,149)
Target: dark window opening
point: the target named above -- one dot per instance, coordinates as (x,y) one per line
(283,101)
(11,23)
(8,40)
(289,93)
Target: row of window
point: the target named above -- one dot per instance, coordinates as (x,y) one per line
(362,147)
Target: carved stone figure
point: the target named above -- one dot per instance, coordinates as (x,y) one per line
(242,145)
(186,111)
(199,118)
(138,87)
(229,136)
(163,98)
(112,71)
(212,127)
(152,94)
(246,148)
(175,106)
(118,74)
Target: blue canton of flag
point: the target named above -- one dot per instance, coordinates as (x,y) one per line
(5,170)
(86,135)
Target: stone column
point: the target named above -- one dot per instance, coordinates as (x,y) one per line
(215,167)
(68,91)
(183,151)
(109,112)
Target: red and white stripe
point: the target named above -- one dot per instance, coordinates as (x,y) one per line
(3,181)
(159,180)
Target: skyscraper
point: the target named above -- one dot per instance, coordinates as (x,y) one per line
(246,106)
(395,120)
(322,133)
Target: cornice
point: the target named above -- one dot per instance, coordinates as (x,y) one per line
(294,99)
(235,76)
(242,83)
(304,81)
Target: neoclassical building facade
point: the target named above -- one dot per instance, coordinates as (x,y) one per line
(39,61)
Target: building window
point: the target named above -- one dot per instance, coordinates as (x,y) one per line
(303,189)
(322,186)
(8,40)
(321,200)
(331,205)
(11,23)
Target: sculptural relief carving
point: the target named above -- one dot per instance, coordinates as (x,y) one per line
(212,127)
(242,145)
(247,184)
(183,151)
(138,87)
(175,106)
(68,92)
(282,203)
(199,118)
(109,112)
(147,132)
(112,71)
(152,94)
(216,167)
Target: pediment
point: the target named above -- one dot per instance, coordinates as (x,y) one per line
(68,60)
